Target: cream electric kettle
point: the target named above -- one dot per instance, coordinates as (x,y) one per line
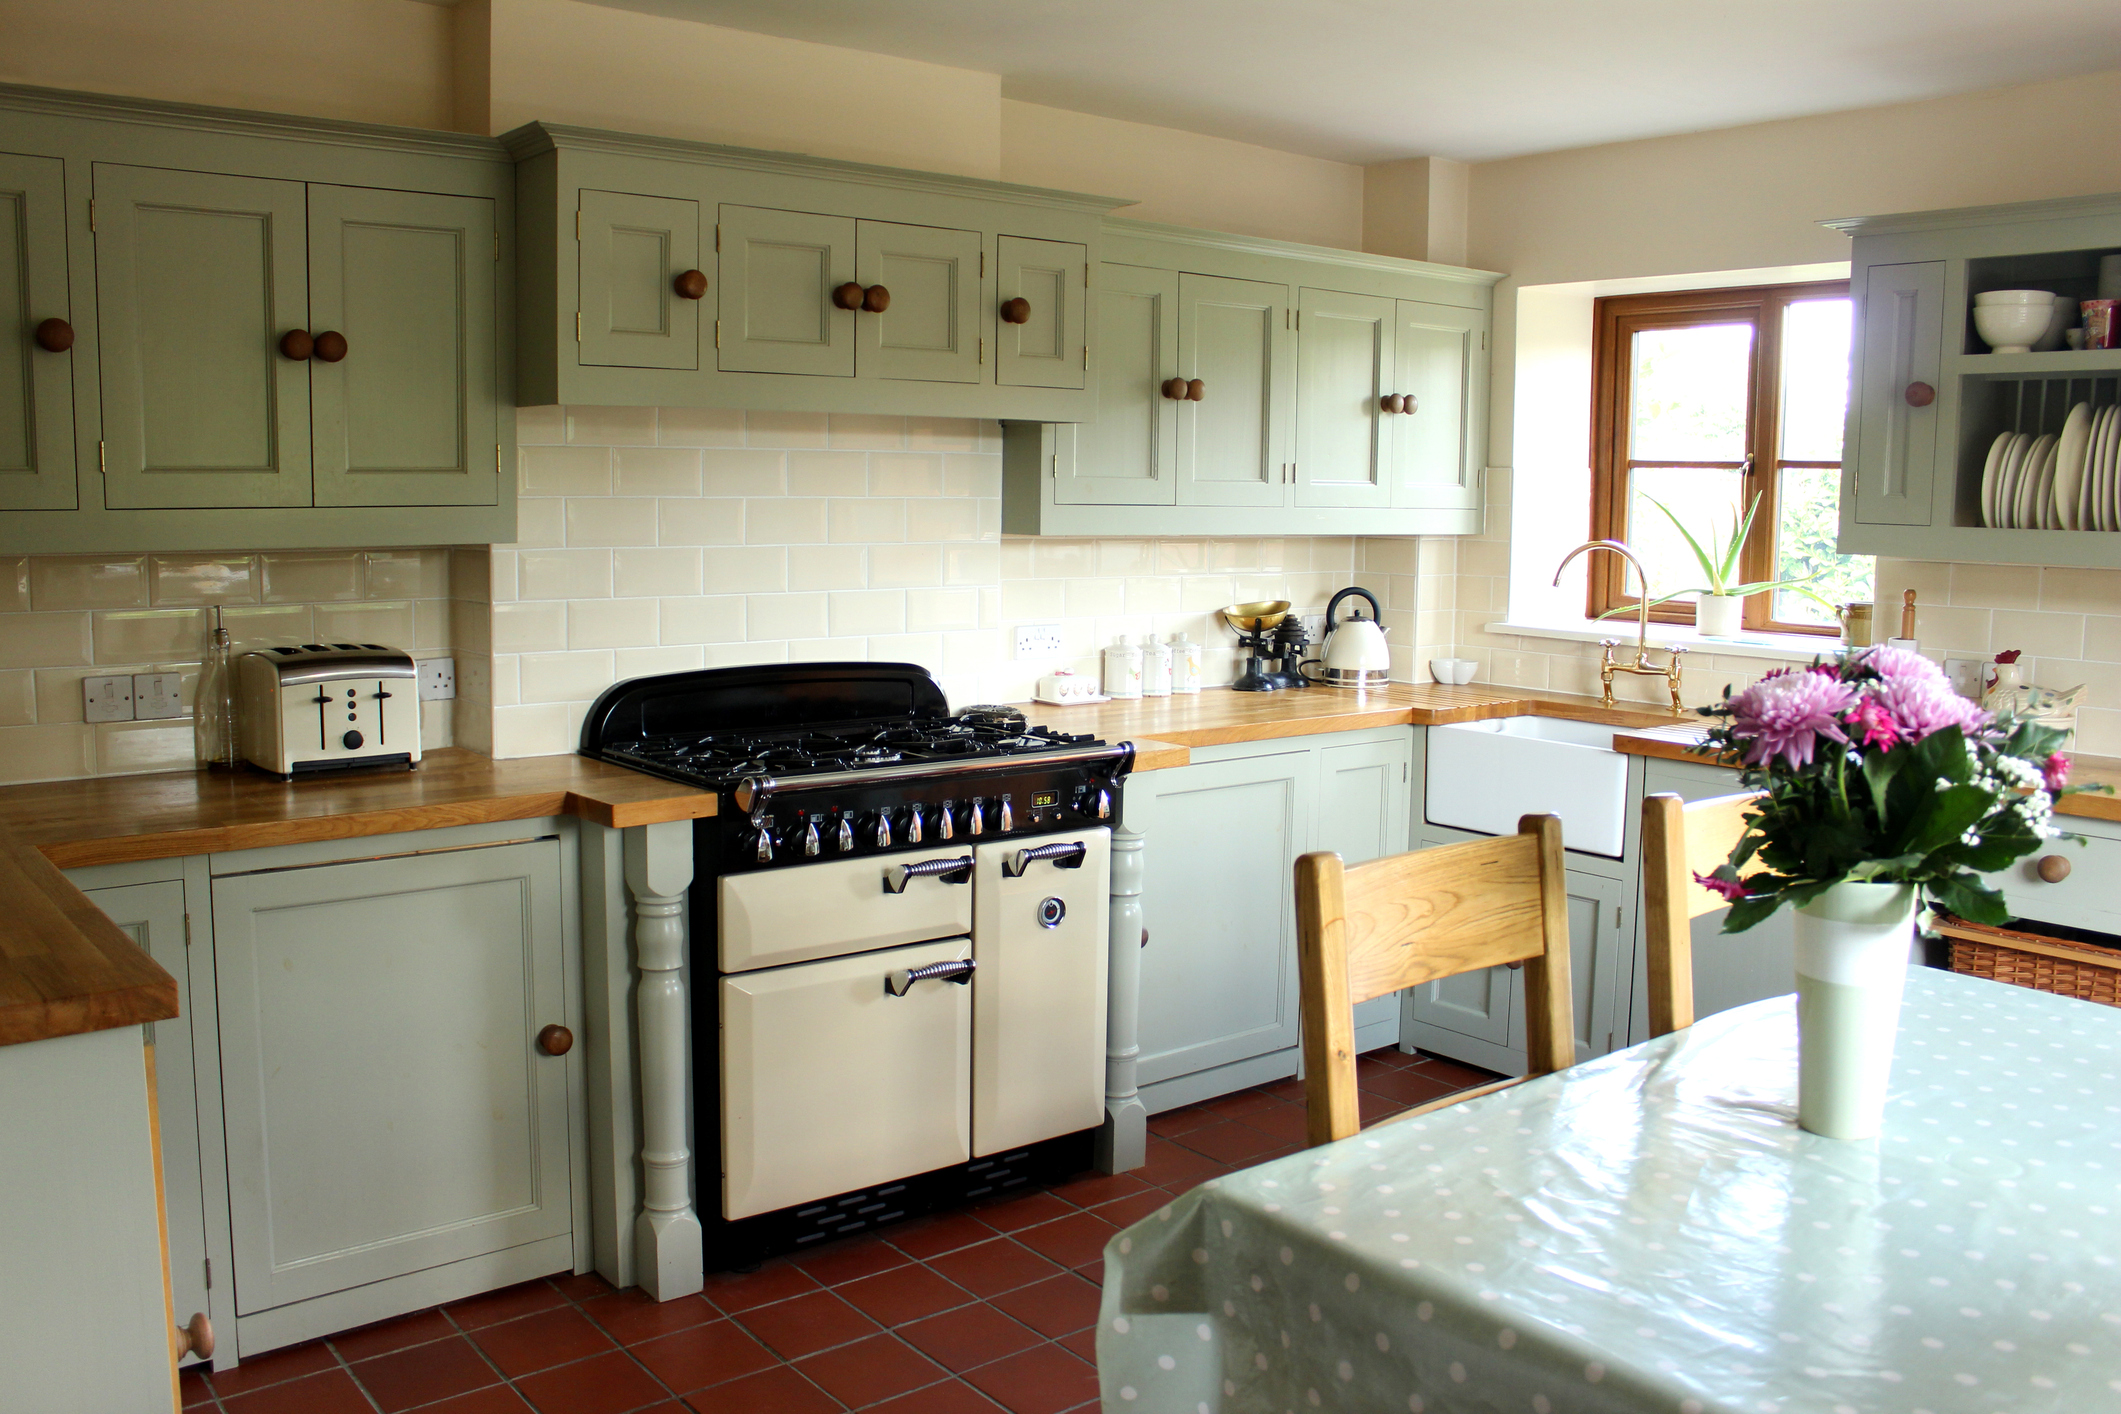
(1356,654)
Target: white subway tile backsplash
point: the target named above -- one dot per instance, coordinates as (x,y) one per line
(646,662)
(784,429)
(978,476)
(88,582)
(928,610)
(660,571)
(132,636)
(865,430)
(828,566)
(699,427)
(714,618)
(785,520)
(865,611)
(563,574)
(750,568)
(529,627)
(779,616)
(828,474)
(616,520)
(541,426)
(905,474)
(611,427)
(377,621)
(658,471)
(865,521)
(905,566)
(942,518)
(573,676)
(297,577)
(728,472)
(972,564)
(827,650)
(564,471)
(540,521)
(612,623)
(713,521)
(14,584)
(942,434)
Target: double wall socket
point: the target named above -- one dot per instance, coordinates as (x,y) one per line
(142,697)
(1038,640)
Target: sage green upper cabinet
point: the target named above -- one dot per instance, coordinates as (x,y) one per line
(633,250)
(1233,440)
(1344,372)
(407,417)
(36,383)
(1125,457)
(1042,343)
(1903,344)
(198,277)
(1440,352)
(836,287)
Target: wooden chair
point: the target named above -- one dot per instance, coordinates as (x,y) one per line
(1411,918)
(1680,840)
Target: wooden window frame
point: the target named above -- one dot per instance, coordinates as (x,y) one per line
(1616,318)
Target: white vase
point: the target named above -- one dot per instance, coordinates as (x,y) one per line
(1853,943)
(1719,615)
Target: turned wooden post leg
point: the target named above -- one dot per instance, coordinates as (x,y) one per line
(1123,1142)
(666,1235)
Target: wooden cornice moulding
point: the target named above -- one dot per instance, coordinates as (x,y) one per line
(1296,250)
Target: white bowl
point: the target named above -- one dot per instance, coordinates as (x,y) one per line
(1453,671)
(2064,316)
(2011,328)
(1987,297)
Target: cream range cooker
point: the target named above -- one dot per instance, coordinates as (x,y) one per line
(906,911)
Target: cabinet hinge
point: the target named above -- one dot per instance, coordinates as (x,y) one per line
(717,238)
(983,265)
(1609,1040)
(1053,466)
(187,930)
(101,465)
(983,352)
(497,459)
(1299,321)
(578,326)
(91,214)
(1616,924)
(1286,321)
(209,1265)
(496,245)
(1483,338)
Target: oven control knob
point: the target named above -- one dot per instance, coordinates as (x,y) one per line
(913,825)
(977,825)
(1007,822)
(881,824)
(1097,804)
(945,827)
(845,835)
(812,846)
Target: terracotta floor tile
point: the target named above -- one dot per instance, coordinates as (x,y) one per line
(332,1392)
(1042,1380)
(494,1399)
(602,1384)
(946,1232)
(989,1268)
(703,1355)
(274,1367)
(1374,1107)
(1283,1122)
(852,1259)
(1070,1241)
(1170,1164)
(1410,1087)
(969,1336)
(424,1373)
(779,1390)
(541,1341)
(386,1336)
(1237,1106)
(949,1397)
(1176,1122)
(1457,1076)
(1083,1343)
(633,1315)
(1023,1212)
(903,1294)
(870,1371)
(1055,1306)
(740,1291)
(192,1388)
(1091,1189)
(1127,1211)
(584,1287)
(803,1325)
(506,1304)
(1093,1272)
(1291,1090)
(1229,1142)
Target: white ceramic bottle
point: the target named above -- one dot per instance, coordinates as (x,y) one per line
(1156,668)
(1123,669)
(1185,665)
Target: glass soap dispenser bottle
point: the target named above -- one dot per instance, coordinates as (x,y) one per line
(214,702)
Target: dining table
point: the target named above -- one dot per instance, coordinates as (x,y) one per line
(1651,1231)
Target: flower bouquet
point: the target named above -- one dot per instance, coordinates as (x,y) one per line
(1881,788)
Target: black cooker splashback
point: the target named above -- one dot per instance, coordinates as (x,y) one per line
(767,697)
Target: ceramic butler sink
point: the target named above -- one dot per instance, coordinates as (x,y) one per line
(1484,775)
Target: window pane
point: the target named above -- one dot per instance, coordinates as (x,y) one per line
(1689,393)
(1810,515)
(1815,379)
(1706,500)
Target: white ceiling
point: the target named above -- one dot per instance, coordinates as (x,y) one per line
(1372,80)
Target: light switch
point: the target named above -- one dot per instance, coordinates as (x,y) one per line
(107,699)
(158,695)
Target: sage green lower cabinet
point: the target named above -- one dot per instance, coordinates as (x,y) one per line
(1219,999)
(1233,442)
(1345,369)
(36,384)
(632,250)
(1049,348)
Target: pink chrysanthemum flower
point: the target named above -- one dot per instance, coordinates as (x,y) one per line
(1922,705)
(1895,664)
(1786,715)
(1729,888)
(1874,725)
(2055,772)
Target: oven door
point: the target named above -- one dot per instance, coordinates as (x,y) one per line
(830,1082)
(1038,998)
(778,916)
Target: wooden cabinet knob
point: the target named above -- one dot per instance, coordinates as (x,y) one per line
(555,1040)
(297,345)
(196,1337)
(1409,403)
(2053,868)
(55,336)
(690,285)
(330,346)
(876,299)
(1175,389)
(1920,395)
(848,296)
(1392,402)
(1016,311)
(1196,390)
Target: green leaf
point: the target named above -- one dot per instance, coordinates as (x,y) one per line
(1970,899)
(1750,912)
(1709,567)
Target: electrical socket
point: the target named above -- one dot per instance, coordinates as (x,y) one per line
(438,679)
(1038,640)
(158,696)
(107,699)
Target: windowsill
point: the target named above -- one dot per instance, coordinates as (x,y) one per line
(1752,645)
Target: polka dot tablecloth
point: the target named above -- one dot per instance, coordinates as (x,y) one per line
(1652,1232)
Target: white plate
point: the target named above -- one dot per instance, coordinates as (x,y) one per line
(1989,472)
(2069,464)
(2101,493)
(2050,514)
(2031,513)
(2087,511)
(2007,480)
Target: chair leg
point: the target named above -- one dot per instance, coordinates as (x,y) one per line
(1331,1108)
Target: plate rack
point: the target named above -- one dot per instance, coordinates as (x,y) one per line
(2035,404)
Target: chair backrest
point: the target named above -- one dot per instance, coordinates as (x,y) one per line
(1680,840)
(1411,918)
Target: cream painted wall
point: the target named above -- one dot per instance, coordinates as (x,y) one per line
(1184,178)
(371,61)
(1416,209)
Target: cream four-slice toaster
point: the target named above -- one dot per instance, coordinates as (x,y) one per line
(326,706)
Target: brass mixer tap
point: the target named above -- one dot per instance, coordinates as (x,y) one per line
(1606,666)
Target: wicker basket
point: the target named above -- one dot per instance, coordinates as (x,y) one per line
(2023,959)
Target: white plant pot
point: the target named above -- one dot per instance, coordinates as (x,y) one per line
(1853,943)
(1719,615)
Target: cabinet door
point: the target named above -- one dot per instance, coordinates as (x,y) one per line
(197,278)
(408,417)
(153,914)
(930,332)
(1895,452)
(1218,977)
(1124,457)
(36,386)
(1344,363)
(1233,445)
(1362,815)
(1440,353)
(1601,912)
(1047,350)
(1478,1005)
(779,269)
(387,1108)
(632,248)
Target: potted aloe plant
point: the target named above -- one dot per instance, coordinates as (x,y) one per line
(1720,605)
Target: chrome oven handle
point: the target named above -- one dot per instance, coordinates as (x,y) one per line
(1064,856)
(951,871)
(900,980)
